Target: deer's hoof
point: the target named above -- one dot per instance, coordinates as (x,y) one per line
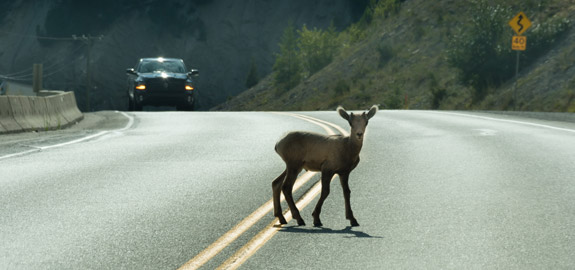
(300,222)
(317,224)
(354,223)
(282,220)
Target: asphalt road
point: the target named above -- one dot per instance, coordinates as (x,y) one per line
(153,190)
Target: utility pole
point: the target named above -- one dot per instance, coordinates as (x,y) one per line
(37,79)
(89,41)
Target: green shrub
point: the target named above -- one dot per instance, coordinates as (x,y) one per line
(302,54)
(384,8)
(287,67)
(341,87)
(380,9)
(355,33)
(253,78)
(481,50)
(317,48)
(438,94)
(385,52)
(375,9)
(394,100)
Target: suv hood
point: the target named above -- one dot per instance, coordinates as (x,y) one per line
(163,75)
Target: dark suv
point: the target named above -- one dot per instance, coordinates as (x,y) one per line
(161,82)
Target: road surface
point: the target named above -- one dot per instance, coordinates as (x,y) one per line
(153,190)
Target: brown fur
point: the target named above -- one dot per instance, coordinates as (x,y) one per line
(330,155)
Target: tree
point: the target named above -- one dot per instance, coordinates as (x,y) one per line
(481,50)
(317,48)
(253,77)
(287,68)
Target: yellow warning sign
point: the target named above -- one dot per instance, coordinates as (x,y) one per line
(519,43)
(520,23)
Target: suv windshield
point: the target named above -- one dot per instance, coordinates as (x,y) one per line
(149,66)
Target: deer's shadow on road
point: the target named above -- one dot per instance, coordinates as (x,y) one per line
(347,232)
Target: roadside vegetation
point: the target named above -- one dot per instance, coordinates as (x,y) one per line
(418,54)
(480,50)
(303,53)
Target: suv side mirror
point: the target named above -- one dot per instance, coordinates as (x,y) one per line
(193,72)
(131,71)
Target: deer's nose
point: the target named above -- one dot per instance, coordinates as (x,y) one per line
(359,134)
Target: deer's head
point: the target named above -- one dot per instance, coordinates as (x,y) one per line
(357,122)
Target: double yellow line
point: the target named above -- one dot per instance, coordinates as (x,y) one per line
(269,231)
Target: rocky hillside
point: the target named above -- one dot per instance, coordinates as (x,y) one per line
(220,38)
(414,57)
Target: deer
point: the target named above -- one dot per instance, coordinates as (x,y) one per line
(330,155)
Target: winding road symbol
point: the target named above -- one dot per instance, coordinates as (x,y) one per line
(520,23)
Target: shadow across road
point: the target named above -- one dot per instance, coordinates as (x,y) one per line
(347,232)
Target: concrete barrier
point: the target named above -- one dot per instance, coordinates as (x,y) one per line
(53,116)
(37,113)
(70,108)
(50,110)
(7,120)
(20,109)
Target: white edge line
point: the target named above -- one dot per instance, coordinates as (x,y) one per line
(20,154)
(38,149)
(508,121)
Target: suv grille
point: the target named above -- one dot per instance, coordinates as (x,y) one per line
(166,85)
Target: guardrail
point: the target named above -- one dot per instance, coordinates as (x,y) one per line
(50,110)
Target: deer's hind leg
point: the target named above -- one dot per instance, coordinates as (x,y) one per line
(277,188)
(287,188)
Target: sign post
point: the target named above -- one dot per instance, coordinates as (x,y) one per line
(519,23)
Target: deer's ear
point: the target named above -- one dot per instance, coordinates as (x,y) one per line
(343,113)
(372,111)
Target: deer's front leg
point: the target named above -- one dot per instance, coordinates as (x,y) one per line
(325,181)
(343,178)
